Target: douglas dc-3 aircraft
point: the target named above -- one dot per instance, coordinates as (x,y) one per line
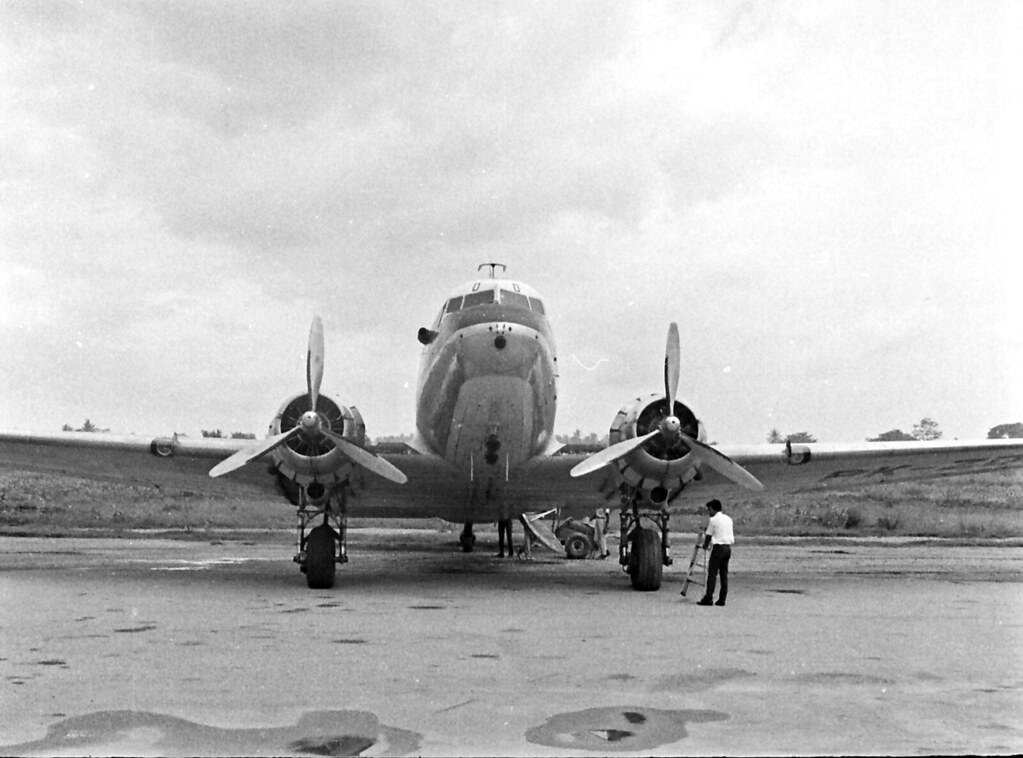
(484,443)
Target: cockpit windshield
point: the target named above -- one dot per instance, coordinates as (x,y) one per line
(483,297)
(489,297)
(514,299)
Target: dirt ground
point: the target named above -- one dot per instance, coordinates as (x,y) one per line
(166,647)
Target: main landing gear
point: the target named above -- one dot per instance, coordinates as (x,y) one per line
(643,551)
(321,548)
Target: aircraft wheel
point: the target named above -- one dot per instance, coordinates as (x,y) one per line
(645,564)
(319,558)
(578,546)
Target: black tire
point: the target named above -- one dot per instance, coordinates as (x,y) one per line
(645,565)
(578,546)
(320,547)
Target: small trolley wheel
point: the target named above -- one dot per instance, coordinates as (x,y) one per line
(578,546)
(320,552)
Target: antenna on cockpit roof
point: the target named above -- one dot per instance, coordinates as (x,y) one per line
(493,268)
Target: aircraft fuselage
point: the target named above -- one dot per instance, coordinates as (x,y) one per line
(487,391)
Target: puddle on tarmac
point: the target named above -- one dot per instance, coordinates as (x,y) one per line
(341,733)
(626,729)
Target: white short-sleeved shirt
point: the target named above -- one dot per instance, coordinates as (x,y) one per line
(719,528)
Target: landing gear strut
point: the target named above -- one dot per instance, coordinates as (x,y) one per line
(643,551)
(321,548)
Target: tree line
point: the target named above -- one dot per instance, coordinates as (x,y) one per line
(926,429)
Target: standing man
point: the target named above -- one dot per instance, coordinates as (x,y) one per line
(526,551)
(600,520)
(719,538)
(504,529)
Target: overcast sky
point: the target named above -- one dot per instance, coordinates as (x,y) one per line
(825,196)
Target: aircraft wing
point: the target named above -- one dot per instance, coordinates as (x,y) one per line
(181,465)
(848,466)
(177,465)
(803,467)
(171,463)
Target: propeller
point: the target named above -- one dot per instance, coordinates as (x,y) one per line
(611,454)
(314,362)
(669,430)
(715,459)
(310,425)
(360,455)
(672,363)
(249,454)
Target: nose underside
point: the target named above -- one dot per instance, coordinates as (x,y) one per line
(499,350)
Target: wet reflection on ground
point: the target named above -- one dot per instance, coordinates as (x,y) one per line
(340,733)
(625,728)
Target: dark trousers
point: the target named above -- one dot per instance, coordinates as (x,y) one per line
(504,527)
(718,564)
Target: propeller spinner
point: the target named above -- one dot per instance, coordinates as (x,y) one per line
(669,431)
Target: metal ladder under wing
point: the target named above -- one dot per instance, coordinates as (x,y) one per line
(697,573)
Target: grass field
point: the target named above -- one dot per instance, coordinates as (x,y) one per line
(975,506)
(985,506)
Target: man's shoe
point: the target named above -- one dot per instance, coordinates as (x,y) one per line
(720,602)
(705,601)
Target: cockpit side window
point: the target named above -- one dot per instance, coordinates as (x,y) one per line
(514,299)
(454,305)
(536,306)
(483,297)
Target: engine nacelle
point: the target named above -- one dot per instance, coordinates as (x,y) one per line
(312,462)
(661,470)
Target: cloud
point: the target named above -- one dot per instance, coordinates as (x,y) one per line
(817,192)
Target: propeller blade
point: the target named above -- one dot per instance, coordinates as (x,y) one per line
(610,454)
(721,463)
(247,454)
(366,459)
(314,362)
(672,359)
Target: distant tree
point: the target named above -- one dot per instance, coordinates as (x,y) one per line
(775,436)
(215,433)
(87,426)
(1005,430)
(927,429)
(894,435)
(578,438)
(575,438)
(801,437)
(242,436)
(393,438)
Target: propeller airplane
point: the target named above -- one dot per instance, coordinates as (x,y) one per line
(484,444)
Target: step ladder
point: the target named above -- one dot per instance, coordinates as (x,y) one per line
(697,573)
